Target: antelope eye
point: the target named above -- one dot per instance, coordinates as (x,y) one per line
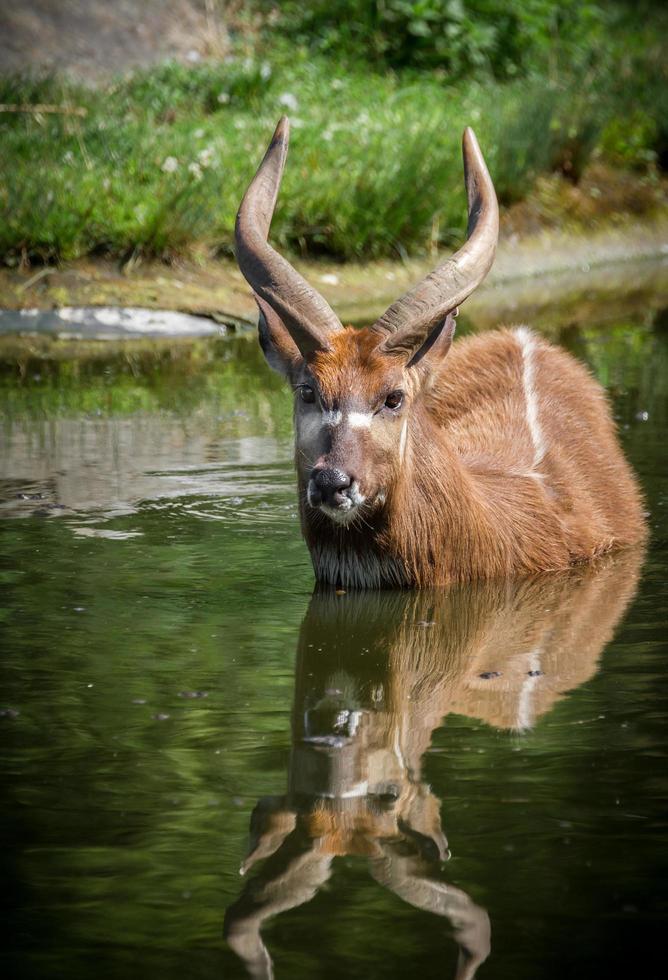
(307,394)
(394,399)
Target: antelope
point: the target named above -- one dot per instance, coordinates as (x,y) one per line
(415,469)
(375,674)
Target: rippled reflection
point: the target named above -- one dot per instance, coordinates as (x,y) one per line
(376,674)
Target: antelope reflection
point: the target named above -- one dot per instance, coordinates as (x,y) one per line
(376,673)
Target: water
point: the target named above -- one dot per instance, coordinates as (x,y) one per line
(482,770)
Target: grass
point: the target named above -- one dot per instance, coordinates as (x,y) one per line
(158,164)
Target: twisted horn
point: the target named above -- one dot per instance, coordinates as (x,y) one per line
(306,315)
(406,325)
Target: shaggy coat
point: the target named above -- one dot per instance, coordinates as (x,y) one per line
(506,462)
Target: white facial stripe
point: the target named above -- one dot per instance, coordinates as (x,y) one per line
(402,440)
(359,420)
(331,418)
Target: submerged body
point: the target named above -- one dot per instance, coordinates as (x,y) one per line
(510,465)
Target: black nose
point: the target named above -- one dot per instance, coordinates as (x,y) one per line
(329,484)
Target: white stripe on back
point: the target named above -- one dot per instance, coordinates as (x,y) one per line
(525,710)
(528,347)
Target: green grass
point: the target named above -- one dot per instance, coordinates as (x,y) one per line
(160,161)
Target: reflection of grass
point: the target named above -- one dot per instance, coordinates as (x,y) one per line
(229,379)
(230,382)
(159,162)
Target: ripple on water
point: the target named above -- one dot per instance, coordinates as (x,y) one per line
(254,494)
(242,511)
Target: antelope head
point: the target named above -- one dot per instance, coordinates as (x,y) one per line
(357,390)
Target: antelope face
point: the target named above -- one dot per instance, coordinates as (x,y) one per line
(349,774)
(352,408)
(354,403)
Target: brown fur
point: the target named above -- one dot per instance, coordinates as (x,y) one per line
(467,501)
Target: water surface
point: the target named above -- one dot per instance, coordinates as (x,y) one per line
(413,783)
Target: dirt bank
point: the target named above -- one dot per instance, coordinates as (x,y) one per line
(532,268)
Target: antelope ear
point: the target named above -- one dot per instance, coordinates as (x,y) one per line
(437,344)
(278,347)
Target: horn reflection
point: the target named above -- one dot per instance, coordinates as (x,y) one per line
(376,673)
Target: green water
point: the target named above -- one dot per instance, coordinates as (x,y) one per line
(167,674)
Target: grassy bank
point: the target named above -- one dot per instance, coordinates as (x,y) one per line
(155,164)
